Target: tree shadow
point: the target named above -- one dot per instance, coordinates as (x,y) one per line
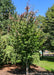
(22,71)
(17,71)
(48,58)
(31,72)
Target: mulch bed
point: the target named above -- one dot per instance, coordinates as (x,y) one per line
(17,70)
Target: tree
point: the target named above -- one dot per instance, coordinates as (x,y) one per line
(7,52)
(6,10)
(49,28)
(40,21)
(41,25)
(27,36)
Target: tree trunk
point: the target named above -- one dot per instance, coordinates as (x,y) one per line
(27,73)
(42,53)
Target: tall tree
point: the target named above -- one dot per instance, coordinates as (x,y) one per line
(49,27)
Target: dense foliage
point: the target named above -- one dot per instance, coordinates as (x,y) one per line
(49,27)
(21,36)
(6,8)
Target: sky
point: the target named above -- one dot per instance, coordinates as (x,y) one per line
(40,5)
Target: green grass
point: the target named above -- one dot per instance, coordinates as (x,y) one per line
(46,62)
(48,65)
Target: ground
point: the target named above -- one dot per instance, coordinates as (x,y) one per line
(16,70)
(45,65)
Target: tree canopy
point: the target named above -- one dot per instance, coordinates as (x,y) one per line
(49,27)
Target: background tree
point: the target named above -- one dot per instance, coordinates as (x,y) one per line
(49,27)
(40,21)
(6,10)
(41,25)
(6,40)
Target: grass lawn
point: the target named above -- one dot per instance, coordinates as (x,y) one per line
(47,63)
